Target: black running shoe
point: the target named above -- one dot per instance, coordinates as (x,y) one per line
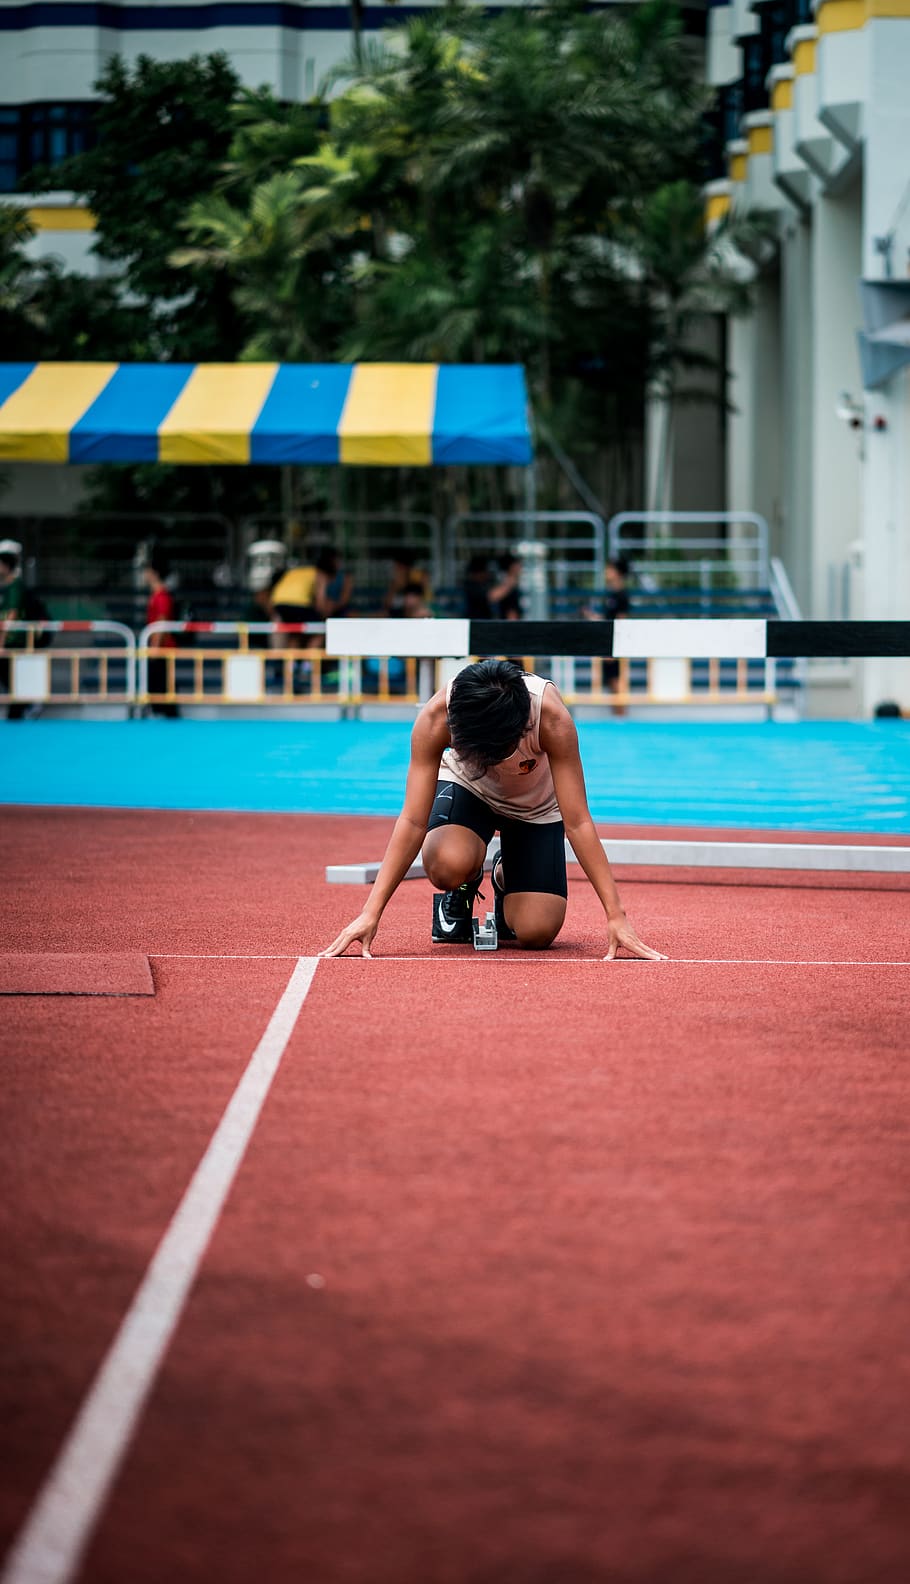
(503,930)
(453,912)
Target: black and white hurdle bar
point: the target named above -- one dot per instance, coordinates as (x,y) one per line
(749,638)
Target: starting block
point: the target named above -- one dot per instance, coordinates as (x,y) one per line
(485,936)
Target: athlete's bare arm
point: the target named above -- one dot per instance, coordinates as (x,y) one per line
(559,740)
(428,740)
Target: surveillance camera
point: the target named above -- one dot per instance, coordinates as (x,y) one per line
(849,411)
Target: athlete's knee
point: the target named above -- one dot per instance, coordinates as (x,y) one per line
(536,937)
(446,873)
(451,856)
(536,922)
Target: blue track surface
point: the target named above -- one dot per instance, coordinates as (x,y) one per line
(817,776)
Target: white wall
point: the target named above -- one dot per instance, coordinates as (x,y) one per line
(836,261)
(886,483)
(793,542)
(754,431)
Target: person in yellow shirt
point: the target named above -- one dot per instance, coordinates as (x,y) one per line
(293,599)
(309,593)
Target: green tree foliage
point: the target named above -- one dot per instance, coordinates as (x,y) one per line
(164,129)
(481,192)
(46,312)
(20,312)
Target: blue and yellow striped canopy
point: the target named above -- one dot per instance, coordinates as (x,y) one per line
(385,414)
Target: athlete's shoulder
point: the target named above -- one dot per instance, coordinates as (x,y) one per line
(551,701)
(431,728)
(557,728)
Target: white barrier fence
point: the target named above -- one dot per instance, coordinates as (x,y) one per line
(96,663)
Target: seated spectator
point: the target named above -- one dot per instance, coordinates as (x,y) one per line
(504,595)
(477,584)
(310,593)
(413,601)
(405,575)
(334,586)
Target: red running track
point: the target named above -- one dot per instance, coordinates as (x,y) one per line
(537,1270)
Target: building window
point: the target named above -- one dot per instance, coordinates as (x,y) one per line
(9,149)
(755,94)
(41,134)
(731,103)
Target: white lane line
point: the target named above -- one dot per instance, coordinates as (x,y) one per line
(554,960)
(49,1547)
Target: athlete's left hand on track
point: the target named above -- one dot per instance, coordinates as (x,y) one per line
(363,929)
(623,935)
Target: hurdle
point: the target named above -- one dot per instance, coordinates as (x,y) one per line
(454,641)
(817,858)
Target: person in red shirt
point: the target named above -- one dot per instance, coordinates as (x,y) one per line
(160,608)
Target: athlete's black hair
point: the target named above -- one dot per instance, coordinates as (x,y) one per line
(489,709)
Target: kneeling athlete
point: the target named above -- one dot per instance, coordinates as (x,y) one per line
(496,750)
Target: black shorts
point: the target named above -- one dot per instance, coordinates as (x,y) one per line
(297,613)
(533,856)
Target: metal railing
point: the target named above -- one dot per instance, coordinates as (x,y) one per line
(662,682)
(572,544)
(745,556)
(267,664)
(96,664)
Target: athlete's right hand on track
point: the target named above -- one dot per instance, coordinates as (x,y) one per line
(362,929)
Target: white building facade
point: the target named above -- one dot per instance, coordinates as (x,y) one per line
(814,126)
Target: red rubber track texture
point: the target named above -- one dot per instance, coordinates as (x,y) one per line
(107,1106)
(537,1269)
(622,1305)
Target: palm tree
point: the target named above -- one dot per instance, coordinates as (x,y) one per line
(279,252)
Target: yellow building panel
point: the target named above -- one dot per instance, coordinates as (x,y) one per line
(804,57)
(212,417)
(716,207)
(761,140)
(840,16)
(47,217)
(848,16)
(782,94)
(388,415)
(35,421)
(739,164)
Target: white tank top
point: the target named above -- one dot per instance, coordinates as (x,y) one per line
(521,787)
